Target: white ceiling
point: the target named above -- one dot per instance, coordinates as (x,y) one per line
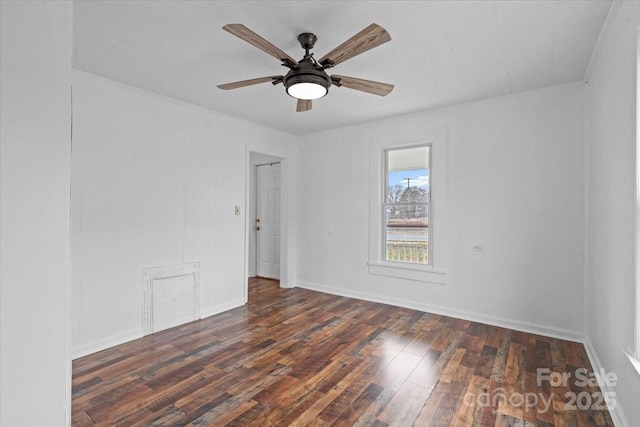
(441,52)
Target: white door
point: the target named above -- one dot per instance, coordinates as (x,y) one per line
(268,221)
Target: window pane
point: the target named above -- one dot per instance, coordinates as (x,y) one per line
(407,205)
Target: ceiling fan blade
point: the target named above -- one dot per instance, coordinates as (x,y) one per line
(249,36)
(375,88)
(303,105)
(243,83)
(372,36)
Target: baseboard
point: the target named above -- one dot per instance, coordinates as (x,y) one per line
(120,339)
(220,308)
(459,314)
(105,343)
(617,414)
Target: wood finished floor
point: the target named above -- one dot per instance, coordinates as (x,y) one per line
(298,357)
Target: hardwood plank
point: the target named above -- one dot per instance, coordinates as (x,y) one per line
(491,406)
(472,342)
(115,404)
(571,354)
(167,416)
(471,411)
(426,416)
(500,362)
(290,405)
(303,358)
(453,367)
(421,343)
(398,370)
(203,409)
(405,405)
(328,378)
(513,380)
(97,361)
(82,401)
(530,411)
(81,418)
(427,375)
(346,398)
(366,369)
(443,339)
(485,362)
(248,417)
(452,400)
(369,415)
(77,388)
(191,402)
(353,411)
(508,421)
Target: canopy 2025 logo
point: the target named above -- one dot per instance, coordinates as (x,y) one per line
(543,401)
(584,400)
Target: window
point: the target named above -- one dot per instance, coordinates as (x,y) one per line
(406,208)
(409,206)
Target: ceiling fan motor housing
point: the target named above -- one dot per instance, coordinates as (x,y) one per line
(307,72)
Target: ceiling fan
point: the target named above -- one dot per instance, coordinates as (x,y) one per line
(307,79)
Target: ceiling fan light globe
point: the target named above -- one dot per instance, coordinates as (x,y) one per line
(306,90)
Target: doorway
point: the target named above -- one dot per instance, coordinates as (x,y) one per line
(267,220)
(265,216)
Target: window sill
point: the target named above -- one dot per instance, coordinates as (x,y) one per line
(409,272)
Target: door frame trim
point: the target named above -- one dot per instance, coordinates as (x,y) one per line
(286,180)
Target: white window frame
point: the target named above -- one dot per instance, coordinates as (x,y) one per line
(636,362)
(634,354)
(436,272)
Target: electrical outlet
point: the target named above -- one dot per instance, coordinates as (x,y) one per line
(237,210)
(477,248)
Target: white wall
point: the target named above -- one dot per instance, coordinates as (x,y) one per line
(155,182)
(35,124)
(610,205)
(516,184)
